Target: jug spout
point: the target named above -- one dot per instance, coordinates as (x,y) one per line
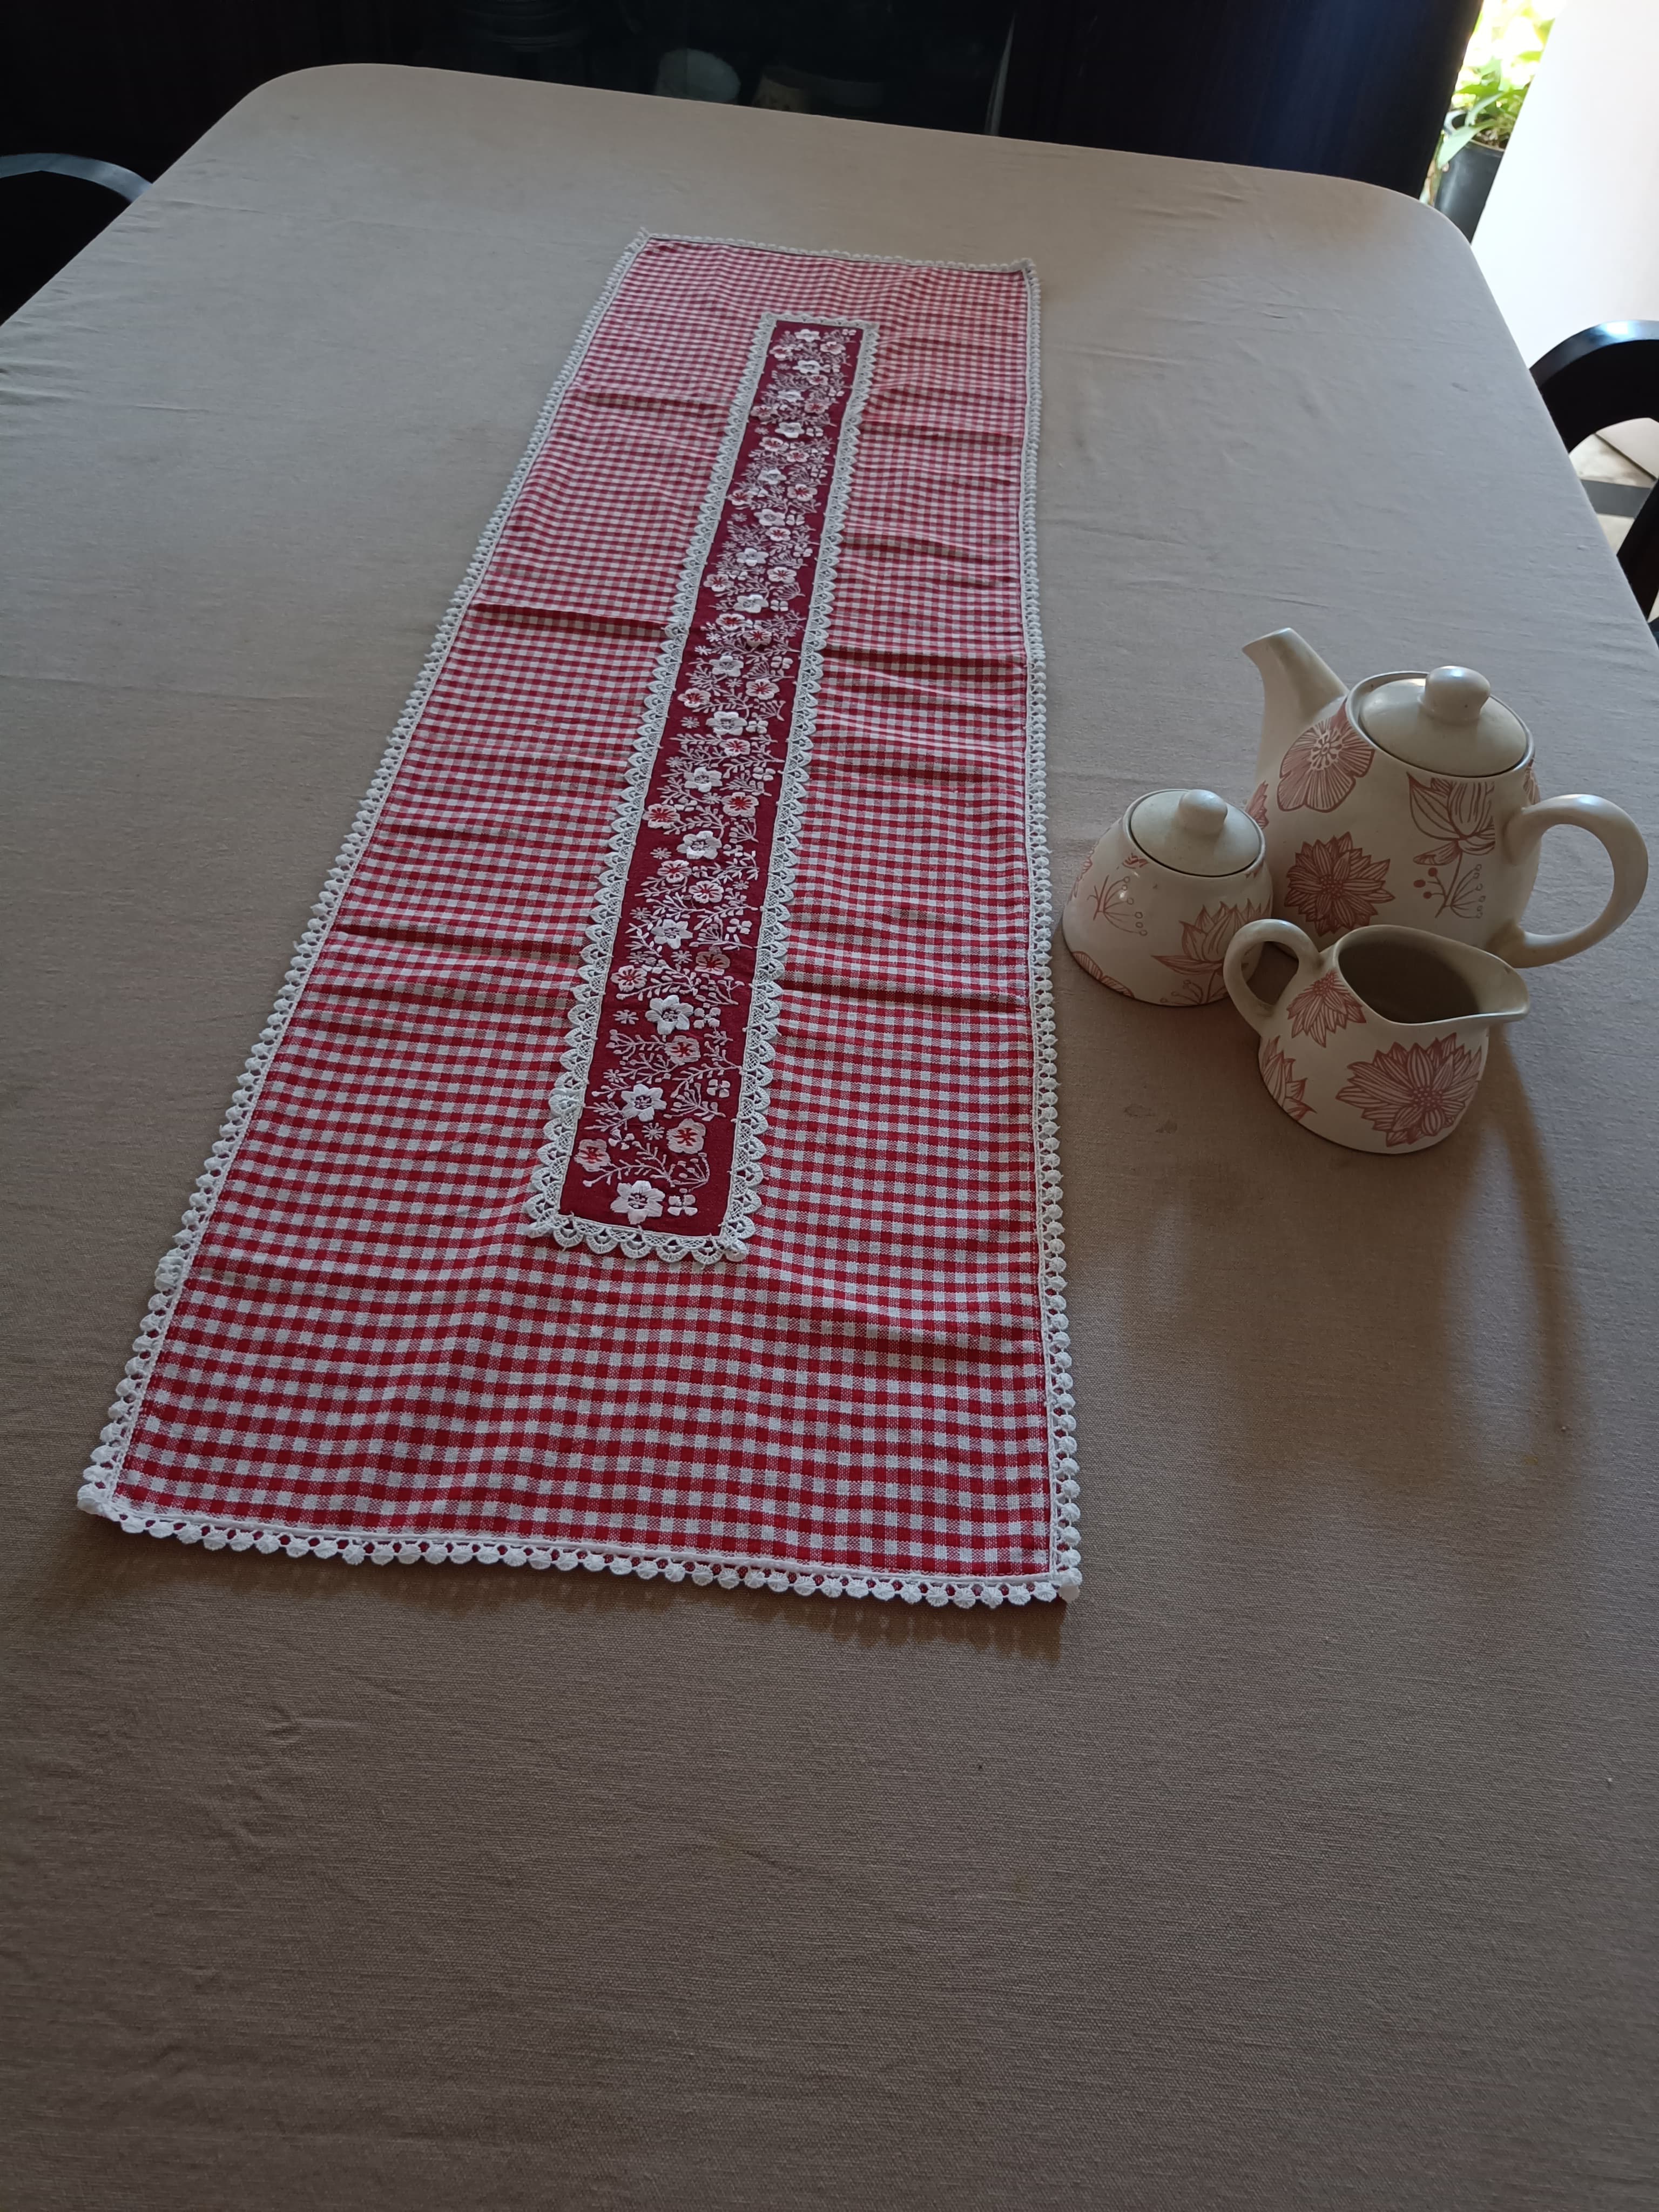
(1296,684)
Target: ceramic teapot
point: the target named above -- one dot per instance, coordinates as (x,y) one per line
(1412,799)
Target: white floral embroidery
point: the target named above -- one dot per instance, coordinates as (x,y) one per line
(640,1202)
(641,1104)
(654,1086)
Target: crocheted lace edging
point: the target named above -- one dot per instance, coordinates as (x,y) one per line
(357,1550)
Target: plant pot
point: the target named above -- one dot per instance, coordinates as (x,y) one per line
(1465,184)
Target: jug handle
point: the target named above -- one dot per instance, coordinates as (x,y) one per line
(1254,935)
(1626,848)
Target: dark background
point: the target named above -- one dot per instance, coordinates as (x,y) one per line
(1349,88)
(1346,87)
(137,86)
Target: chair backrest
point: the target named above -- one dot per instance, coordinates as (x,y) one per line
(127,182)
(1610,373)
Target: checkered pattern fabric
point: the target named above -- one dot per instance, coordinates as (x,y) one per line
(358,1351)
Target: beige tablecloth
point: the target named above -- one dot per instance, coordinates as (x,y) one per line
(1308,1860)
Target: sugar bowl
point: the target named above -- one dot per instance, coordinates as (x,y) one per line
(1164,893)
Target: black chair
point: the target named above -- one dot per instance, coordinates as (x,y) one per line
(127,182)
(1610,374)
(49,210)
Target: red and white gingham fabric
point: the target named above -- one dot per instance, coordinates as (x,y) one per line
(355,1350)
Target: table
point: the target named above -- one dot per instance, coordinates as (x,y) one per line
(1308,1859)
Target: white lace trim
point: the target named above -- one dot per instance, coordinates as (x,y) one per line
(1065,1541)
(1025,269)
(731,1570)
(731,1240)
(100,1484)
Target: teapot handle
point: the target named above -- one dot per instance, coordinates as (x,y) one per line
(1255,934)
(1626,848)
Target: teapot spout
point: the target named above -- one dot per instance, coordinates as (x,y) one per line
(1296,684)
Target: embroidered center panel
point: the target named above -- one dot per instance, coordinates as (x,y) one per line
(654,1147)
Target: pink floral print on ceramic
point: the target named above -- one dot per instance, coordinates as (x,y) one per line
(1113,900)
(1412,1092)
(654,1141)
(1458,813)
(1257,808)
(1284,1086)
(1203,948)
(1331,887)
(1323,766)
(1327,1006)
(1093,967)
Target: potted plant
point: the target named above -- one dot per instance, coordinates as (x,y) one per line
(1498,69)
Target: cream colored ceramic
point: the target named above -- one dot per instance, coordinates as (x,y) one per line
(1378,1043)
(1413,799)
(1166,889)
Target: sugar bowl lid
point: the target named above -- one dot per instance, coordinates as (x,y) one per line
(1196,832)
(1446,722)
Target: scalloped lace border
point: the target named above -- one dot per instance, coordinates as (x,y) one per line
(728,1571)
(98,1485)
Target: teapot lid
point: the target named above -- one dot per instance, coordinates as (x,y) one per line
(1446,722)
(1196,832)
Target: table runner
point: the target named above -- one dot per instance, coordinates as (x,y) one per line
(650,1162)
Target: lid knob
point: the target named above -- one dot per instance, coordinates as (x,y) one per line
(1201,813)
(1456,694)
(1447,722)
(1194,832)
